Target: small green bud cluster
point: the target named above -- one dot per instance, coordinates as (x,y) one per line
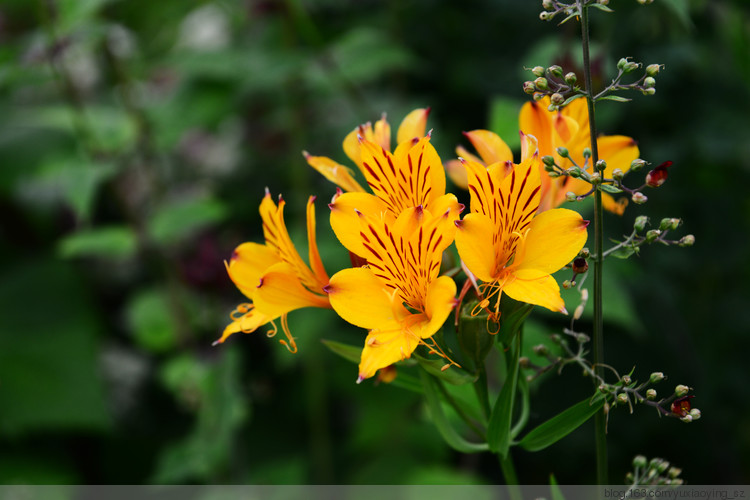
(645,2)
(551,81)
(656,471)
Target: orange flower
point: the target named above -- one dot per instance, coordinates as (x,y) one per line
(274,276)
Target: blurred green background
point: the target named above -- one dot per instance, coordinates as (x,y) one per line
(136,139)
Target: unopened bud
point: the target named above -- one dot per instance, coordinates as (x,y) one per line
(557,99)
(587,153)
(568,284)
(629,477)
(528,87)
(580,265)
(652,70)
(555,70)
(577,314)
(585,253)
(541,350)
(551,108)
(618,174)
(538,71)
(695,413)
(582,338)
(687,241)
(570,196)
(556,338)
(640,223)
(673,472)
(649,91)
(544,16)
(665,224)
(649,82)
(548,160)
(639,198)
(549,168)
(674,223)
(658,176)
(563,152)
(523,362)
(604,388)
(541,83)
(640,462)
(595,178)
(651,394)
(681,390)
(637,164)
(662,467)
(621,63)
(626,379)
(622,398)
(603,2)
(571,78)
(656,377)
(538,96)
(601,165)
(652,235)
(547,4)
(575,172)
(687,418)
(630,66)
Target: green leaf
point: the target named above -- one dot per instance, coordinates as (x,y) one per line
(498,432)
(513,315)
(449,434)
(601,7)
(504,120)
(179,220)
(615,98)
(452,375)
(562,424)
(349,352)
(608,188)
(408,382)
(110,242)
(554,489)
(624,252)
(150,321)
(571,99)
(473,338)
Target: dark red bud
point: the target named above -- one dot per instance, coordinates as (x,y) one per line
(658,176)
(580,265)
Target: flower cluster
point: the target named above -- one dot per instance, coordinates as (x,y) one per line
(511,240)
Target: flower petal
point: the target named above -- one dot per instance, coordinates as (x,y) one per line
(248,263)
(413,125)
(316,264)
(490,146)
(334,172)
(475,244)
(248,323)
(618,151)
(534,120)
(361,299)
(542,291)
(385,346)
(281,292)
(441,299)
(345,221)
(554,239)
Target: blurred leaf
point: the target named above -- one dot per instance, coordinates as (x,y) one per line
(608,188)
(441,422)
(71,13)
(601,7)
(349,352)
(364,54)
(221,409)
(498,432)
(562,424)
(453,375)
(49,377)
(613,97)
(624,252)
(110,242)
(554,489)
(513,315)
(504,120)
(182,218)
(148,315)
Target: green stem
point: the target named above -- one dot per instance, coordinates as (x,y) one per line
(480,386)
(511,479)
(460,411)
(598,333)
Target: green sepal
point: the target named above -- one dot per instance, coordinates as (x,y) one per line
(453,375)
(474,339)
(449,434)
(562,424)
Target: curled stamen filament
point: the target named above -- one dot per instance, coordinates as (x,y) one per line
(291,345)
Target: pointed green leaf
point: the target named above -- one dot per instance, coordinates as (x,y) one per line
(562,424)
(571,99)
(601,7)
(554,489)
(349,352)
(498,432)
(615,98)
(448,433)
(104,241)
(452,375)
(608,188)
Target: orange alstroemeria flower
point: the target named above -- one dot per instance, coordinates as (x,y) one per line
(274,276)
(509,248)
(567,128)
(398,296)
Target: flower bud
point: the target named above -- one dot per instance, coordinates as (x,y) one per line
(622,398)
(639,198)
(640,223)
(563,152)
(658,176)
(603,2)
(556,338)
(621,63)
(637,164)
(528,87)
(640,462)
(674,223)
(676,482)
(656,377)
(544,16)
(665,224)
(538,71)
(651,394)
(600,165)
(649,91)
(551,108)
(547,4)
(653,464)
(587,153)
(548,160)
(541,83)
(604,388)
(687,241)
(570,196)
(557,99)
(538,96)
(549,168)
(629,478)
(575,172)
(626,379)
(652,235)
(695,413)
(673,472)
(580,265)
(541,350)
(662,467)
(585,253)
(652,70)
(630,66)
(595,178)
(555,70)
(687,418)
(571,78)
(523,362)
(582,338)
(567,284)
(649,82)
(681,390)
